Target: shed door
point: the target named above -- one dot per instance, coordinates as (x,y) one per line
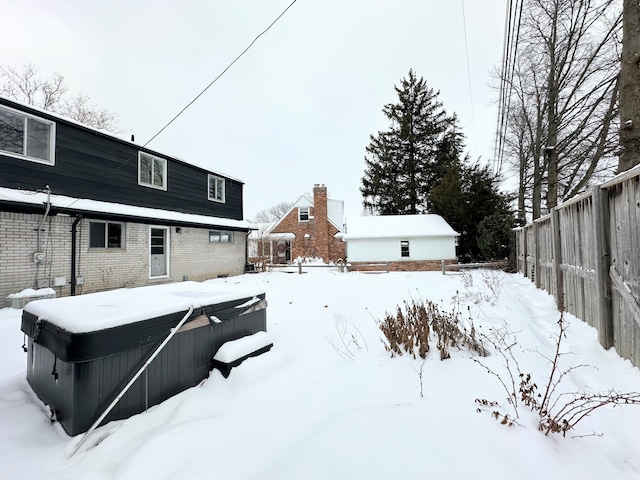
(159,252)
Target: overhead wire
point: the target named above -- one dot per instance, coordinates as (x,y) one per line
(466,47)
(175,117)
(501,100)
(221,73)
(513,20)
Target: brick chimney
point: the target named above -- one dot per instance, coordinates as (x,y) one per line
(321,221)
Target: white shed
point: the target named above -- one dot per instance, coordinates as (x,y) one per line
(405,242)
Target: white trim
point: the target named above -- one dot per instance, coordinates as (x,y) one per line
(164,171)
(224,188)
(106,234)
(309,217)
(221,233)
(52,139)
(81,204)
(167,251)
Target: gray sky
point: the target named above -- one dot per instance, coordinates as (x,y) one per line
(297,108)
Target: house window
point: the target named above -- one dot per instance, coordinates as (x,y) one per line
(216,188)
(404,248)
(220,236)
(27,137)
(106,235)
(303,214)
(152,171)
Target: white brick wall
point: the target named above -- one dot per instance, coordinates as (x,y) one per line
(191,255)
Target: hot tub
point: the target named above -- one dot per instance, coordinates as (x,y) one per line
(83,350)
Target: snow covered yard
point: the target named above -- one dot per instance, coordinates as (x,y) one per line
(317,408)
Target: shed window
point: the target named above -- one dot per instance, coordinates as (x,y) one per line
(105,235)
(152,171)
(27,137)
(216,189)
(303,214)
(220,236)
(404,248)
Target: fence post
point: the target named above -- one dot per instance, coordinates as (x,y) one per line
(600,199)
(556,246)
(536,255)
(299,268)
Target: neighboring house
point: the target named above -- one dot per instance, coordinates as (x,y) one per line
(404,242)
(83,211)
(311,228)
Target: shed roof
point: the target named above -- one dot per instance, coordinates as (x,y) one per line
(397,226)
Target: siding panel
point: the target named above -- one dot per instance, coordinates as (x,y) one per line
(89,164)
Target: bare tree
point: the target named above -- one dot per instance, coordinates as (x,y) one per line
(273,213)
(78,108)
(562,129)
(630,88)
(26,85)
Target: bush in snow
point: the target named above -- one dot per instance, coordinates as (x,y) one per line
(411,328)
(558,412)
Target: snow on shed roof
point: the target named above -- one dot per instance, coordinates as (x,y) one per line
(69,204)
(396,226)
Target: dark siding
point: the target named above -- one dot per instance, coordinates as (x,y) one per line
(89,164)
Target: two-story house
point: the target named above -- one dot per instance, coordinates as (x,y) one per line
(83,211)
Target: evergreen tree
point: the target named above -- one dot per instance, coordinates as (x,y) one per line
(403,163)
(464,198)
(495,235)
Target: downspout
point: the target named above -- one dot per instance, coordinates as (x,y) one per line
(74,231)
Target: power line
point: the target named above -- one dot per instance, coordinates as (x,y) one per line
(513,19)
(501,98)
(221,73)
(466,47)
(206,88)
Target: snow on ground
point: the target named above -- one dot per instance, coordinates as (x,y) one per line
(306,410)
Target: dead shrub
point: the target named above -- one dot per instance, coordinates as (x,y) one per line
(410,330)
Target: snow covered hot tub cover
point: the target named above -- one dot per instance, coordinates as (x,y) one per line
(82,350)
(91,326)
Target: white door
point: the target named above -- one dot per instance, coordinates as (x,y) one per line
(159,251)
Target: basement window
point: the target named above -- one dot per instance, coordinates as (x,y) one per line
(152,171)
(106,235)
(404,248)
(27,137)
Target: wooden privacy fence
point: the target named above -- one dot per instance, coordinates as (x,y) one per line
(586,254)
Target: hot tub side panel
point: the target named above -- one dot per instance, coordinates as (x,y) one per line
(83,390)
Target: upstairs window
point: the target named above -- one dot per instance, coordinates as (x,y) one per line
(216,188)
(152,171)
(404,248)
(220,236)
(105,235)
(27,137)
(303,214)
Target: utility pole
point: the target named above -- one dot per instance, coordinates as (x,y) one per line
(630,87)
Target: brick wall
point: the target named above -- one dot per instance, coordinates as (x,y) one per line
(18,243)
(191,255)
(314,238)
(409,266)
